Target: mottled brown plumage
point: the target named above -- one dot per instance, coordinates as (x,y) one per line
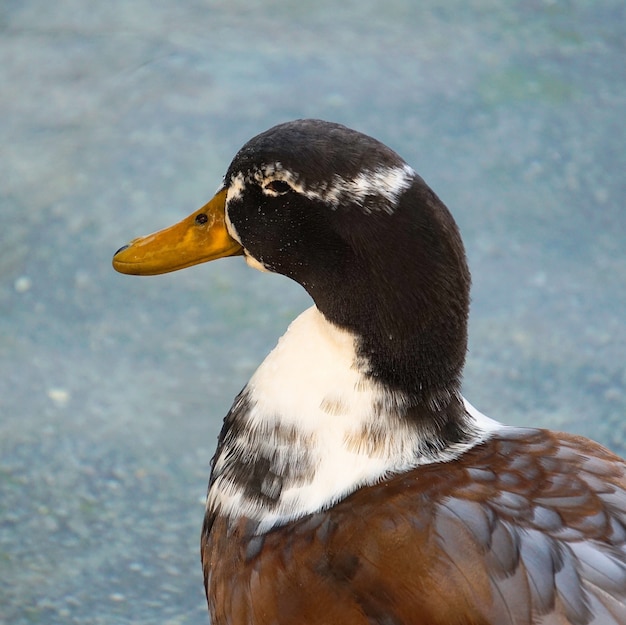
(494,538)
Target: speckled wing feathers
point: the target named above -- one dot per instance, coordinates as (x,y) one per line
(528,528)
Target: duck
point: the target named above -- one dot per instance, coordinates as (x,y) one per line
(353,484)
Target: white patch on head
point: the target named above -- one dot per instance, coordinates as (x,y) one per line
(385,183)
(251,261)
(268,173)
(236,187)
(310,385)
(235,190)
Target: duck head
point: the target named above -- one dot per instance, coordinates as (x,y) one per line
(344,216)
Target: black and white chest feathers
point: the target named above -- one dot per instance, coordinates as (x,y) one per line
(311,427)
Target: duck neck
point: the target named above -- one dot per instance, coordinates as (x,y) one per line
(406,300)
(312,427)
(420,356)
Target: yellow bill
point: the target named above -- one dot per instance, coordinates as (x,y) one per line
(199,238)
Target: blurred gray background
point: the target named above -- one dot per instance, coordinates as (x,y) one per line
(118,118)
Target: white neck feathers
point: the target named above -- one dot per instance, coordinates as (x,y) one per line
(311,427)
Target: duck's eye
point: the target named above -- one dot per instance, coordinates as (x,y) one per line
(278,186)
